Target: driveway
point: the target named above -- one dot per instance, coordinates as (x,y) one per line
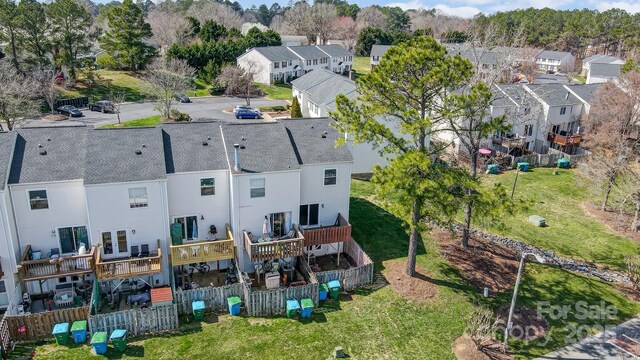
(203,107)
(599,346)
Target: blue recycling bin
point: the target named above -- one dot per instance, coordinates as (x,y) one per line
(234,303)
(323,292)
(293,307)
(563,163)
(523,166)
(307,308)
(493,169)
(79,331)
(99,342)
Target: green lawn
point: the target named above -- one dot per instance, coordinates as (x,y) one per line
(148,121)
(570,231)
(361,64)
(372,324)
(277,92)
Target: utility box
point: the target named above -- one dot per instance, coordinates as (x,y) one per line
(537,220)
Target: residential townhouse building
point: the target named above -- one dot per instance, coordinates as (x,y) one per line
(555,61)
(283,63)
(85,203)
(377,52)
(601,68)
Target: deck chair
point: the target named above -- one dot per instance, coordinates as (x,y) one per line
(134,251)
(144,250)
(55,253)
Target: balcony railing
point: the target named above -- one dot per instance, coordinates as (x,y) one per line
(203,251)
(564,140)
(516,142)
(128,267)
(49,268)
(275,249)
(340,232)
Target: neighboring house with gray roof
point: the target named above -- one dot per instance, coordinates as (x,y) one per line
(601,68)
(300,85)
(271,64)
(555,61)
(377,52)
(316,90)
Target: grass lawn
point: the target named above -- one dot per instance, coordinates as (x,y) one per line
(569,230)
(361,64)
(148,121)
(372,324)
(277,92)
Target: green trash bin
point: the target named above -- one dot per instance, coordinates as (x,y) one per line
(334,289)
(119,339)
(198,310)
(61,333)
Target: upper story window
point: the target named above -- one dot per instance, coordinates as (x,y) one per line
(308,62)
(257,187)
(563,110)
(330,177)
(207,186)
(309,214)
(38,199)
(315,61)
(284,64)
(350,58)
(289,62)
(276,65)
(138,197)
(376,58)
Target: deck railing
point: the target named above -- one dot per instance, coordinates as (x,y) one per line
(275,249)
(48,268)
(128,267)
(340,232)
(564,140)
(516,142)
(203,251)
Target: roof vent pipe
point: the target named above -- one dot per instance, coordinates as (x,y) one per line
(567,96)
(236,155)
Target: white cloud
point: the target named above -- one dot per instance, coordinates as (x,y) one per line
(461,11)
(632,7)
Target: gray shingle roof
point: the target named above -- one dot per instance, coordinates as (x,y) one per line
(554,94)
(267,147)
(308,52)
(379,50)
(553,55)
(7,144)
(326,91)
(65,148)
(598,69)
(603,59)
(112,157)
(277,53)
(516,94)
(312,78)
(585,92)
(309,144)
(184,149)
(335,50)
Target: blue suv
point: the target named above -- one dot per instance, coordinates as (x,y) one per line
(246,112)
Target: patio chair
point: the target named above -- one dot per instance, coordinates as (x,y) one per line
(144,250)
(134,251)
(55,253)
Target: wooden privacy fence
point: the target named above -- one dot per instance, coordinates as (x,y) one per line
(137,322)
(215,298)
(355,277)
(273,302)
(78,102)
(5,337)
(39,326)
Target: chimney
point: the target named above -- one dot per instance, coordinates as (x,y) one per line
(236,154)
(352,75)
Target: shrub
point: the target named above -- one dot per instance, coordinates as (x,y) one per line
(296,111)
(176,115)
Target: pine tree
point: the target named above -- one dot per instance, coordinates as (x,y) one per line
(296,112)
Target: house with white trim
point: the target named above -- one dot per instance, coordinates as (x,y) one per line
(601,68)
(555,61)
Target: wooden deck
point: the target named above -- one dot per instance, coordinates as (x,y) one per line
(340,232)
(509,143)
(128,267)
(564,140)
(43,269)
(276,249)
(203,251)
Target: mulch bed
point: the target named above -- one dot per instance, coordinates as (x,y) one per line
(532,324)
(483,263)
(614,221)
(419,288)
(329,262)
(54,117)
(465,349)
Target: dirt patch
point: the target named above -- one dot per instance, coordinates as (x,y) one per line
(483,263)
(628,291)
(330,263)
(465,349)
(419,288)
(615,221)
(527,324)
(54,117)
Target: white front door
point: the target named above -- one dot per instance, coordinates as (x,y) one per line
(114,244)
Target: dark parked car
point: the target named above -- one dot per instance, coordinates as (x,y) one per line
(102,106)
(70,110)
(244,112)
(183,98)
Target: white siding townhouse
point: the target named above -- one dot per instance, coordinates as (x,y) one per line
(555,61)
(377,52)
(282,63)
(78,203)
(601,68)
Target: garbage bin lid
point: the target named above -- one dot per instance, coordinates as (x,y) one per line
(324,287)
(197,305)
(60,328)
(306,303)
(233,300)
(79,325)
(334,284)
(118,334)
(99,338)
(293,304)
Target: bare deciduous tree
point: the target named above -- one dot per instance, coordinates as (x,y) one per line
(17,100)
(239,81)
(480,326)
(320,18)
(295,19)
(633,270)
(344,29)
(220,13)
(117,98)
(169,28)
(167,78)
(371,17)
(46,80)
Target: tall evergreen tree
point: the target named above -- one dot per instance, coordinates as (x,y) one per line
(71,28)
(9,23)
(127,37)
(296,112)
(34,29)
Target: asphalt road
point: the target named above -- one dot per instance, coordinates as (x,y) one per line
(199,108)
